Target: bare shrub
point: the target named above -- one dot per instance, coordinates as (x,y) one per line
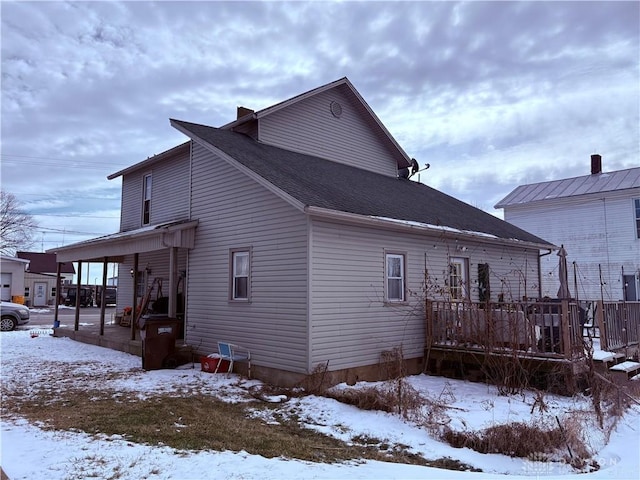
(518,440)
(318,381)
(392,363)
(396,396)
(506,372)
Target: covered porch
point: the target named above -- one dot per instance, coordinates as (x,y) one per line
(152,266)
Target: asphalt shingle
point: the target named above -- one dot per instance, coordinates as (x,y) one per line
(327,184)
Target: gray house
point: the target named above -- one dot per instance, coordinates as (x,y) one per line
(295,231)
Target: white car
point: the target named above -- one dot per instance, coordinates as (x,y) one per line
(12,315)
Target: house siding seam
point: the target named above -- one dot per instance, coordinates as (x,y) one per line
(351,325)
(231,210)
(307,126)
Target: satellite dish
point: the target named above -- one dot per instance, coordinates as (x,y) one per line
(414,166)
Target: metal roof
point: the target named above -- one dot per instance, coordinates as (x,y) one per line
(571,187)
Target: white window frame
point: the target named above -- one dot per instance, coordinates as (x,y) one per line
(395,277)
(147,187)
(235,276)
(458,279)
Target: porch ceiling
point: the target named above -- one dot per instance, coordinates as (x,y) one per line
(180,234)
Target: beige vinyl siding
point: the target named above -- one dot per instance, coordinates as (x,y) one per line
(309,127)
(169,193)
(235,212)
(598,233)
(351,325)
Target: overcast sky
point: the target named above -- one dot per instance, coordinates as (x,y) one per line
(492,95)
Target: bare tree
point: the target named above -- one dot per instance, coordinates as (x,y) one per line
(17,226)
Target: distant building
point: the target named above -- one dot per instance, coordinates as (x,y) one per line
(12,274)
(597,219)
(40,278)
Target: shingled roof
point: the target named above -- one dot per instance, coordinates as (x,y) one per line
(45,263)
(317,182)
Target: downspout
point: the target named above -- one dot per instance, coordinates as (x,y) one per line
(540,273)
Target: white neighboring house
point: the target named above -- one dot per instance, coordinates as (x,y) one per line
(597,219)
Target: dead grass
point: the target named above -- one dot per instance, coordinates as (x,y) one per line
(194,422)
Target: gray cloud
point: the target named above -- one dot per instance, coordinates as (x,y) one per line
(492,94)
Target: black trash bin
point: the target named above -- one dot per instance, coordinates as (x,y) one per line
(158,333)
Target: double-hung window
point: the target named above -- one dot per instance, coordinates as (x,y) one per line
(240,274)
(146,200)
(395,278)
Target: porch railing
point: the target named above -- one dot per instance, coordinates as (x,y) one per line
(619,324)
(541,329)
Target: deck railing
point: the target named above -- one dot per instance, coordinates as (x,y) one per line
(619,325)
(545,329)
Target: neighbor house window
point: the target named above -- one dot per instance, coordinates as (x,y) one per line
(636,204)
(26,291)
(146,200)
(458,278)
(240,274)
(53,292)
(395,277)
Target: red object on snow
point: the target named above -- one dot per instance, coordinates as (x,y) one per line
(209,364)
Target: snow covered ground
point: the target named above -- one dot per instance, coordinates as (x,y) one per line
(30,453)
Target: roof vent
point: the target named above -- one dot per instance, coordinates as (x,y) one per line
(596,164)
(336,109)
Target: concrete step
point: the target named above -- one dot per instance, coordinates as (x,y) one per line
(608,359)
(625,370)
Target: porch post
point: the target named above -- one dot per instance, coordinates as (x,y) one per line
(173,291)
(134,313)
(103,294)
(76,323)
(56,322)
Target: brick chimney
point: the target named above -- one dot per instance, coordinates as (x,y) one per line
(596,164)
(242,111)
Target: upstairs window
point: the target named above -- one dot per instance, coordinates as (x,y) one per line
(240,275)
(146,200)
(395,277)
(636,204)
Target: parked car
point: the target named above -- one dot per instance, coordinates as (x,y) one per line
(12,315)
(110,296)
(86,297)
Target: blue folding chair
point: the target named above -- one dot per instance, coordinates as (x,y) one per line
(233,353)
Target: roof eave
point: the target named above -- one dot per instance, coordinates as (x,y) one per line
(149,161)
(416,227)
